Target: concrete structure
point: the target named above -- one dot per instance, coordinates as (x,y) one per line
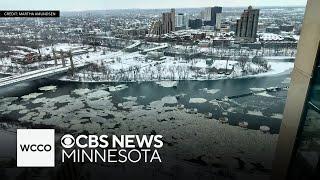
(37,74)
(298,103)
(247,25)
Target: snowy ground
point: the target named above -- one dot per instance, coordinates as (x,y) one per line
(125,66)
(122,66)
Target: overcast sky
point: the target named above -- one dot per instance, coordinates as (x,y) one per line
(78,5)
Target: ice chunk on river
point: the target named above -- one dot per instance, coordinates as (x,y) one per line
(197,100)
(167,84)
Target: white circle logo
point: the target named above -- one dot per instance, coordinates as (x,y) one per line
(67,141)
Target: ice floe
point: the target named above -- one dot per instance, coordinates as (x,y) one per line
(277,116)
(257,89)
(81,92)
(117,88)
(255,113)
(286,80)
(98,94)
(31,96)
(169,100)
(130,98)
(167,84)
(197,100)
(210,91)
(265,94)
(48,88)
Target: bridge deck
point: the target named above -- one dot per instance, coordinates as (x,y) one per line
(37,74)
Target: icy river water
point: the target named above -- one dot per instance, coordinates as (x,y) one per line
(257,110)
(158,108)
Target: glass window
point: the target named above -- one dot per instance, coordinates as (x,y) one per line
(306,162)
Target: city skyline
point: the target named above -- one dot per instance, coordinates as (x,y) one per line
(74,5)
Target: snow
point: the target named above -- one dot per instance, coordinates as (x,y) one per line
(197,100)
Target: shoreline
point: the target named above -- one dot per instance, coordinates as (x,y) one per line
(288,71)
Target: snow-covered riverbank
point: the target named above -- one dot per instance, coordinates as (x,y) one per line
(135,67)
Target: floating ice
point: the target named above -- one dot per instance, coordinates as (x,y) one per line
(257,89)
(169,100)
(286,81)
(265,94)
(264,129)
(167,84)
(81,92)
(48,88)
(197,100)
(255,113)
(117,88)
(210,91)
(243,124)
(98,94)
(130,98)
(102,104)
(214,102)
(277,116)
(31,96)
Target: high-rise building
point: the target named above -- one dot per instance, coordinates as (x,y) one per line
(195,23)
(156,28)
(247,25)
(166,25)
(169,21)
(212,16)
(182,21)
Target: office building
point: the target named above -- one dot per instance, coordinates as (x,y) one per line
(168,21)
(182,21)
(195,23)
(212,16)
(247,25)
(166,25)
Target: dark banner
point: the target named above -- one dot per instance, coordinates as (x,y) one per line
(37,14)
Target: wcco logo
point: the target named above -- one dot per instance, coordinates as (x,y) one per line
(35,148)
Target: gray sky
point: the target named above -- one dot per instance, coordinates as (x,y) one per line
(78,5)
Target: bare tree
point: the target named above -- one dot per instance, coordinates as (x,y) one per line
(243,60)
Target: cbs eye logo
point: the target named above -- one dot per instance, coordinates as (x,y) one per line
(67,141)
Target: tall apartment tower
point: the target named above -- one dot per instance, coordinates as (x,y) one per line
(212,16)
(169,21)
(247,25)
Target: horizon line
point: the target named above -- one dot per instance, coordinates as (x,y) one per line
(289,6)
